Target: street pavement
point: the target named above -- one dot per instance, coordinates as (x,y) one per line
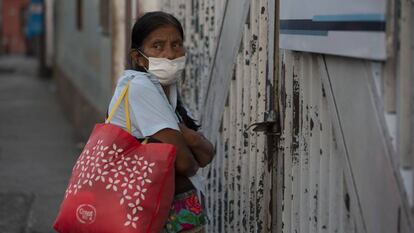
(37,149)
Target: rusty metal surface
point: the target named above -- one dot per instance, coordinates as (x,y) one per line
(337,166)
(314,193)
(307,179)
(240,177)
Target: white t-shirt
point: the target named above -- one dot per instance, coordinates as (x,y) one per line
(150,109)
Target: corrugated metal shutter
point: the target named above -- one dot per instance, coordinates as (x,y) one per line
(239,188)
(313,175)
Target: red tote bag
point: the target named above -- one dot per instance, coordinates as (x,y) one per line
(118,185)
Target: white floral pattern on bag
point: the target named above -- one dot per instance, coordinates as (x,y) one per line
(127,175)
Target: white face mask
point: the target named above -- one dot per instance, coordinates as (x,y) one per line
(167,71)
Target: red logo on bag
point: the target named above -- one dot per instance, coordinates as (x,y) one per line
(86,214)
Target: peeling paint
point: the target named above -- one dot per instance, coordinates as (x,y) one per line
(315,197)
(239,189)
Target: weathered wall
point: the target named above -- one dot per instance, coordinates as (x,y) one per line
(82,64)
(337,153)
(84,55)
(146,6)
(201,21)
(337,168)
(239,179)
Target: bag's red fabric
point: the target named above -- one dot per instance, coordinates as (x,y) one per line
(118,185)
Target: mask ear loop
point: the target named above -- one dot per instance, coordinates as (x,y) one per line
(139,51)
(142,54)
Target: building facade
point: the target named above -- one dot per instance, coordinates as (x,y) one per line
(13,38)
(87,55)
(82,61)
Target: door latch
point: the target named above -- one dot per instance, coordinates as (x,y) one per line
(270,127)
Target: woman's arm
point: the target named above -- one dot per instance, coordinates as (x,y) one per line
(185,164)
(152,115)
(201,147)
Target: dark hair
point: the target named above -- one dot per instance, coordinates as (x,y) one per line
(149,22)
(142,28)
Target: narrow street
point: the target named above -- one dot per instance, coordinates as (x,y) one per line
(37,149)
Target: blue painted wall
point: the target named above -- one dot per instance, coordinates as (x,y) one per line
(84,55)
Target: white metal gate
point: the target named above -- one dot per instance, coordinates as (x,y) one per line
(316,195)
(338,171)
(328,167)
(240,178)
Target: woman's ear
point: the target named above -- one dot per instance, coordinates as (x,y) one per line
(138,59)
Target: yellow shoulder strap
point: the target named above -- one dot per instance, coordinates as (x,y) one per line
(145,141)
(127,117)
(123,95)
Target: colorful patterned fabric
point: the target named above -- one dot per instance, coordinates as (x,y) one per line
(186,213)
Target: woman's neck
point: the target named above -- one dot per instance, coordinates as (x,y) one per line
(166,90)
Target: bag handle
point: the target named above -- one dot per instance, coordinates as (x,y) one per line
(123,95)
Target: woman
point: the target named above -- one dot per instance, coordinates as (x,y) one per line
(158,58)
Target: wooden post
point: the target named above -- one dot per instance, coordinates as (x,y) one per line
(390,67)
(117,39)
(404,108)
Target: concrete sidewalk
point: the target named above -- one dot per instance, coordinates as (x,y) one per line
(37,149)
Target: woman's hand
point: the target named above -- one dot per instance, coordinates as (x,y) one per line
(202,148)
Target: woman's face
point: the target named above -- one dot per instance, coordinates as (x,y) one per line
(163,42)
